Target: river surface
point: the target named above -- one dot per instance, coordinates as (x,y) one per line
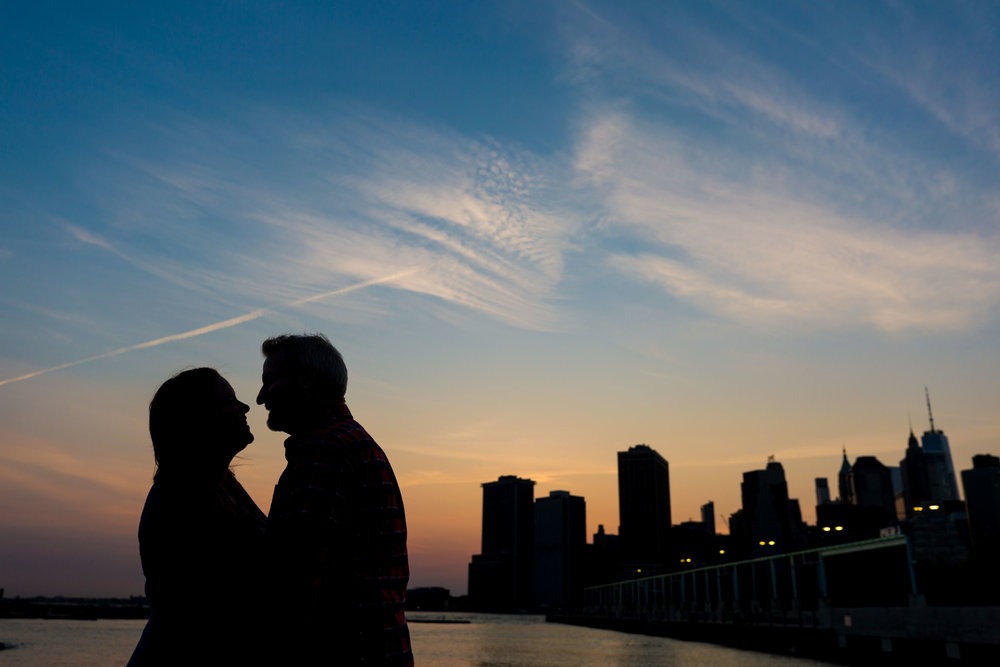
(489,640)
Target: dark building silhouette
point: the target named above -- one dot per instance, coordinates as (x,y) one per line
(939,533)
(940,471)
(840,523)
(822,491)
(927,472)
(696,546)
(916,480)
(708,517)
(844,481)
(944,486)
(772,522)
(603,562)
(871,488)
(644,509)
(560,537)
(431,598)
(982,500)
(739,533)
(501,578)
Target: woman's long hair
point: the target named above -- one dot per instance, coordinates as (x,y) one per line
(178,416)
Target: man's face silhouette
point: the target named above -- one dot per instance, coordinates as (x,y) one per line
(287,394)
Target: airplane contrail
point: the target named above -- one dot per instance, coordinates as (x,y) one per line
(224,324)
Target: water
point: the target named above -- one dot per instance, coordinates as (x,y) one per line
(490,640)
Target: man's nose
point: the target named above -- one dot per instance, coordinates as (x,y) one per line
(260,396)
(244,407)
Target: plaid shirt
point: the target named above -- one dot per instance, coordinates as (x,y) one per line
(338,534)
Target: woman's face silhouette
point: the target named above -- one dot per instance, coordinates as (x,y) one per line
(226,420)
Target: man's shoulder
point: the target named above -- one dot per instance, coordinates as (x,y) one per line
(345,438)
(342,445)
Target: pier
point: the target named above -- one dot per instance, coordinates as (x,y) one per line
(855,602)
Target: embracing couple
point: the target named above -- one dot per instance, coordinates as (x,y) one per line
(321,579)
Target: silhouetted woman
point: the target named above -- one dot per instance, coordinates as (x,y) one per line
(200,535)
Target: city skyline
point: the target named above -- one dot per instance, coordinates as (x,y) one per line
(539,232)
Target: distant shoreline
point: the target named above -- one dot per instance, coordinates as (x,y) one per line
(79,609)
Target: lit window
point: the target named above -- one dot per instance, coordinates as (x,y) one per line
(934,507)
(762,543)
(688,560)
(771,543)
(918,509)
(638,570)
(826,529)
(722,551)
(838,527)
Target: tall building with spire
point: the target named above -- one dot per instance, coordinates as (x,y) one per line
(927,471)
(942,474)
(844,481)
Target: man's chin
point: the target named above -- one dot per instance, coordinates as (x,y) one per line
(275,423)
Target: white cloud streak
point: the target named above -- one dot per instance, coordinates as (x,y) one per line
(224,324)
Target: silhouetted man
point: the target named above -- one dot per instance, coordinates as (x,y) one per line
(336,526)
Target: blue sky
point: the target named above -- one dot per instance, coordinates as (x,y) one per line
(544,232)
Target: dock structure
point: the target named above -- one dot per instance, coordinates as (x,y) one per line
(846,602)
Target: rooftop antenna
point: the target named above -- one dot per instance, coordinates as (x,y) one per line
(770,459)
(929,413)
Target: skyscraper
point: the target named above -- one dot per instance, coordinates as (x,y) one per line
(708,517)
(927,472)
(982,498)
(871,485)
(644,508)
(822,491)
(916,483)
(773,523)
(941,471)
(560,539)
(501,578)
(844,481)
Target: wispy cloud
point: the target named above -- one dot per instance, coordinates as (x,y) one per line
(91,238)
(481,220)
(772,258)
(37,454)
(611,54)
(816,125)
(953,78)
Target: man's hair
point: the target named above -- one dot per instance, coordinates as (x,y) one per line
(177,414)
(314,356)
